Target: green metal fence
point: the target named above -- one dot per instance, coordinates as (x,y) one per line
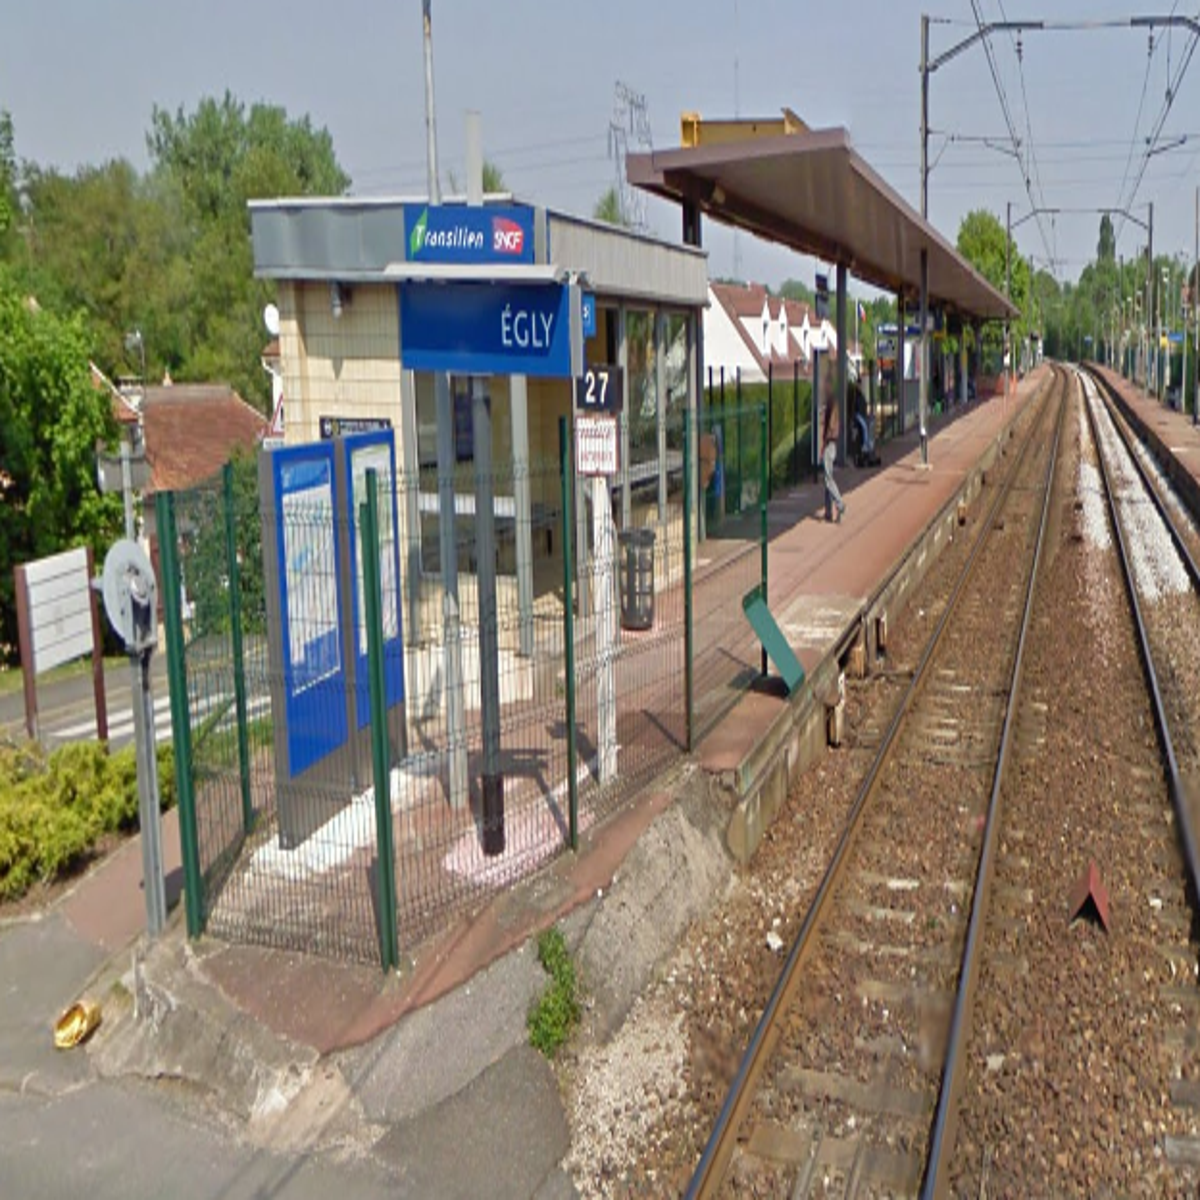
(618,641)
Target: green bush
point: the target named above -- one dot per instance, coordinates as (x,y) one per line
(54,810)
(553,1017)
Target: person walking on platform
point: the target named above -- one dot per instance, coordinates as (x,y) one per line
(830,425)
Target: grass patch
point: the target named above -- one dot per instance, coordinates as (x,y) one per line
(552,1018)
(11,679)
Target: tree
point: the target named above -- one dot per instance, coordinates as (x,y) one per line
(1106,249)
(210,163)
(981,241)
(224,156)
(81,234)
(608,208)
(794,289)
(51,418)
(493,180)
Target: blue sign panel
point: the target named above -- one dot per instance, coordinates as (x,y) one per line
(456,233)
(486,328)
(310,603)
(365,452)
(587,311)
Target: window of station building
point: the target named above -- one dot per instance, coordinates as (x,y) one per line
(464,432)
(643,412)
(429,505)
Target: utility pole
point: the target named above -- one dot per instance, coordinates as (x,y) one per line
(1007,282)
(923,392)
(456,726)
(431,161)
(1151,380)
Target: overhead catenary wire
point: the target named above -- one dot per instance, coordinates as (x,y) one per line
(1173,85)
(1008,120)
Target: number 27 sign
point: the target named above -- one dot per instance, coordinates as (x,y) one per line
(599,389)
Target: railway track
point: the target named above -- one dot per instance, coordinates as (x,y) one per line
(842,1078)
(941,1026)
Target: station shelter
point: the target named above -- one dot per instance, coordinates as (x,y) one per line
(509,306)
(810,190)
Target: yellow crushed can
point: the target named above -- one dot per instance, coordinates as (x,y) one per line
(76,1024)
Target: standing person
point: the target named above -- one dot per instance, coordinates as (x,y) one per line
(830,425)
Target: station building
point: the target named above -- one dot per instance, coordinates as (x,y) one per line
(378,296)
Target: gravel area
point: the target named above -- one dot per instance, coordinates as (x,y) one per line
(1081,1037)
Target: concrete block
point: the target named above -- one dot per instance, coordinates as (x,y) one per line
(856,664)
(836,723)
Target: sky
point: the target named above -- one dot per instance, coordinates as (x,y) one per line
(81,78)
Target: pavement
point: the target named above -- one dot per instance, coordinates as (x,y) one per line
(233,1070)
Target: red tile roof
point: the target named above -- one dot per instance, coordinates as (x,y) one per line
(746,301)
(191,429)
(741,299)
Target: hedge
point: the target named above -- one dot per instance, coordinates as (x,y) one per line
(53,810)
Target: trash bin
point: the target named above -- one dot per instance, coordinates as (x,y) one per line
(636,554)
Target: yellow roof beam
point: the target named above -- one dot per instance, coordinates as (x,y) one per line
(694,131)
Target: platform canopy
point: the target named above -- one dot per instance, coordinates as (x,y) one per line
(814,193)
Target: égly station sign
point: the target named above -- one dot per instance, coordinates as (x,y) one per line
(480,327)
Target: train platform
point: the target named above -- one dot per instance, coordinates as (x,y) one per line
(433,1054)
(1172,435)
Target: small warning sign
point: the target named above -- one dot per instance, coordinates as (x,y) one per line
(595,445)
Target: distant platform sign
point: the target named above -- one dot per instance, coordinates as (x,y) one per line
(596,445)
(332,427)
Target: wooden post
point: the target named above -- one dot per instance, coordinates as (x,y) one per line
(97,654)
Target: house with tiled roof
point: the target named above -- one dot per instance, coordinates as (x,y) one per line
(747,329)
(191,430)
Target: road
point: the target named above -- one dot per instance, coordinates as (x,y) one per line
(112,1142)
(67,708)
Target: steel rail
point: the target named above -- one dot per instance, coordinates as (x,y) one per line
(945,1123)
(857,622)
(714,1160)
(1183,816)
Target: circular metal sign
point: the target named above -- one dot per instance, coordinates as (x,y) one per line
(126,570)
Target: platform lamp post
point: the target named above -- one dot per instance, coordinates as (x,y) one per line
(1160,287)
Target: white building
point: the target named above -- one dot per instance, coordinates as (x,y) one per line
(747,329)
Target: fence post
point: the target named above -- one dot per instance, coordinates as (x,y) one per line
(566,468)
(770,425)
(794,474)
(239,660)
(764,473)
(181,730)
(688,644)
(741,440)
(389,951)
